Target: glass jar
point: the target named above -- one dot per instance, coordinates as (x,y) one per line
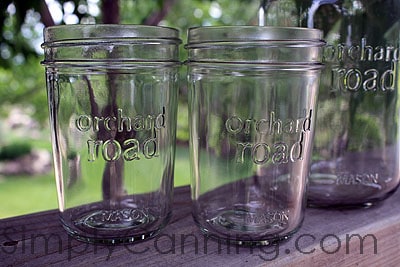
(356,152)
(252,100)
(112,93)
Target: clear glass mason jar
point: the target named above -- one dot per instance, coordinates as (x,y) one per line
(252,97)
(112,94)
(356,160)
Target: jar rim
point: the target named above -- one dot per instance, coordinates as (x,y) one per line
(87,32)
(217,34)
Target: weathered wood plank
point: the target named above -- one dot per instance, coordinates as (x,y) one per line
(366,237)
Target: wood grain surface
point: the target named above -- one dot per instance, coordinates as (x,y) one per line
(362,237)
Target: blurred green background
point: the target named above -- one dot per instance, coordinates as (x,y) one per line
(26,173)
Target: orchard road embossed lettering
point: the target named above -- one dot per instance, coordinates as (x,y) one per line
(129,149)
(358,74)
(262,152)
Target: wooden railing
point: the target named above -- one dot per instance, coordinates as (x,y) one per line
(363,237)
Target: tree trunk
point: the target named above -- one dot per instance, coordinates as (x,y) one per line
(159,15)
(110,11)
(47,19)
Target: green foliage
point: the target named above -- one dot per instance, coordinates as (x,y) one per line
(22,79)
(182,132)
(42,189)
(13,44)
(365,133)
(136,12)
(186,14)
(24,84)
(15,150)
(25,196)
(183,15)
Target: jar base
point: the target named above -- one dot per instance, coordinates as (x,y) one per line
(243,228)
(236,240)
(326,191)
(105,227)
(342,206)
